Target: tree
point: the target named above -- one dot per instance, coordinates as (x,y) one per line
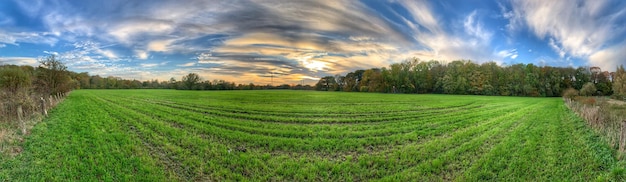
(340,80)
(52,76)
(190,81)
(588,89)
(619,82)
(13,79)
(581,76)
(326,83)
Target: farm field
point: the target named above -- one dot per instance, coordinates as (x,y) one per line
(281,135)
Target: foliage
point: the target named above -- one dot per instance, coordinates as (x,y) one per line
(13,79)
(570,93)
(169,135)
(604,115)
(588,89)
(190,81)
(467,77)
(619,82)
(52,77)
(327,83)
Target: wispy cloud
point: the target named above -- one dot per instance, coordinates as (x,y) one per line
(580,29)
(19,61)
(247,41)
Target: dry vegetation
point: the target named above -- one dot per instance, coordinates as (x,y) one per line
(603,114)
(25,93)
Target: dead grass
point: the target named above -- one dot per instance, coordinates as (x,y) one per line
(603,114)
(616,102)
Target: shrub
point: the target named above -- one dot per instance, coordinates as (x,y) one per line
(570,93)
(588,89)
(589,101)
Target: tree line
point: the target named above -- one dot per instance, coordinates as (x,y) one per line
(468,78)
(191,81)
(23,86)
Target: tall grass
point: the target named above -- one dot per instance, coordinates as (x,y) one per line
(12,129)
(601,114)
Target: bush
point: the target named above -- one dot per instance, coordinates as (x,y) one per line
(14,79)
(570,93)
(588,89)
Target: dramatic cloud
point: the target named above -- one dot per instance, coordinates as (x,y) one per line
(581,29)
(276,42)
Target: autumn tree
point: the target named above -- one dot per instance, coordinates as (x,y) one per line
(52,76)
(619,83)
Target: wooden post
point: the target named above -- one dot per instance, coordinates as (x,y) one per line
(622,138)
(20,118)
(43,107)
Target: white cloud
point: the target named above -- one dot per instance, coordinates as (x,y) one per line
(512,54)
(141,54)
(51,52)
(608,59)
(159,45)
(19,61)
(189,64)
(473,44)
(28,37)
(126,31)
(556,48)
(579,28)
(473,27)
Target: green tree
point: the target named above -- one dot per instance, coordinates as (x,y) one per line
(13,79)
(581,76)
(326,83)
(619,82)
(588,89)
(190,81)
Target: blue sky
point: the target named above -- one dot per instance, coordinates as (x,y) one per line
(250,41)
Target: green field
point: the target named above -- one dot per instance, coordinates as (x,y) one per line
(164,135)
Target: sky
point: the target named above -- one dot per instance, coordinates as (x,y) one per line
(299,41)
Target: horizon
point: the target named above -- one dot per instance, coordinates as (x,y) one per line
(265,42)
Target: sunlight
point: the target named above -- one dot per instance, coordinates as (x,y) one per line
(314,65)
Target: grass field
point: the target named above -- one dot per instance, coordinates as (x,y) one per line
(164,135)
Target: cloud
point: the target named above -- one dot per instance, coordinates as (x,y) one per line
(159,45)
(27,37)
(473,43)
(141,54)
(151,65)
(579,28)
(609,58)
(474,28)
(294,40)
(51,53)
(19,61)
(512,54)
(189,64)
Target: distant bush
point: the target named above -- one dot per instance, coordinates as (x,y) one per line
(588,89)
(570,93)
